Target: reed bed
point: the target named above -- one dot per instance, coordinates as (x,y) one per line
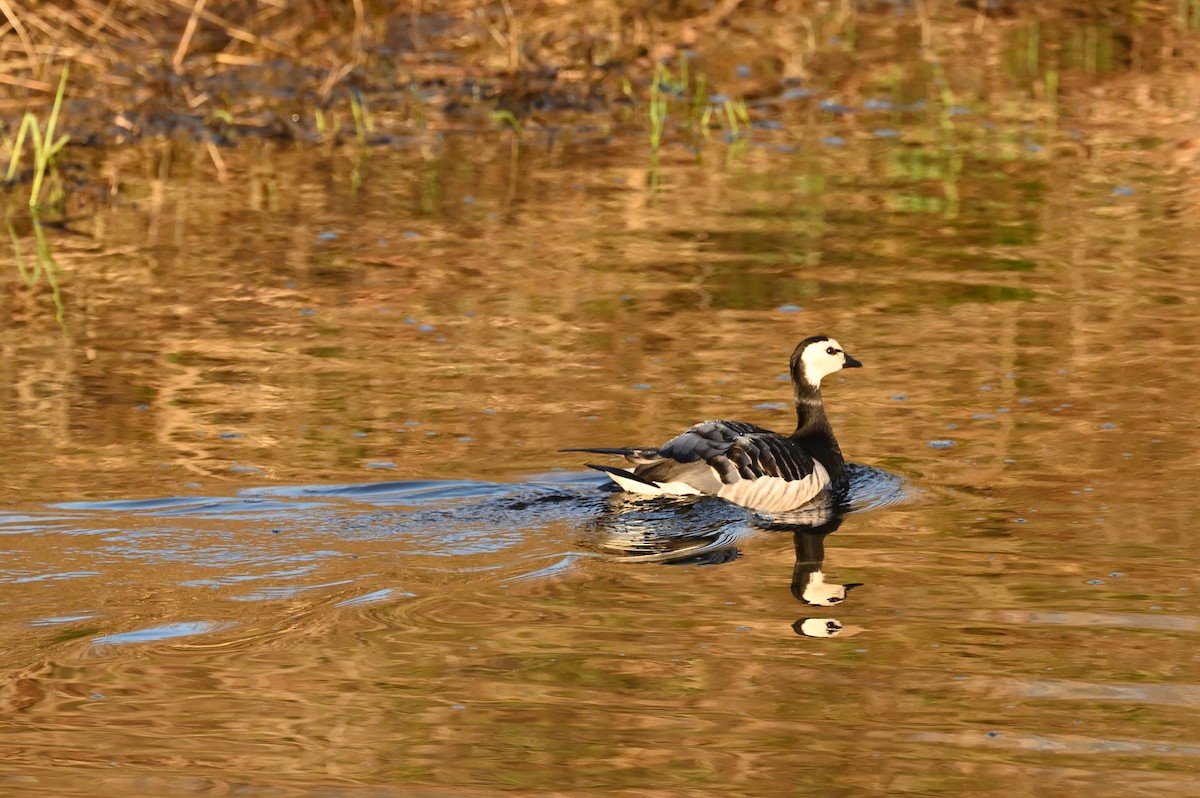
(218,69)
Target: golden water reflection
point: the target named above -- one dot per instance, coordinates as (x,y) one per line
(180,617)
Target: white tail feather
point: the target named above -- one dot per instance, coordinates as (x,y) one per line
(657,489)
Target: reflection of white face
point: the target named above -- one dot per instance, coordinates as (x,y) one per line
(820,593)
(820,627)
(820,359)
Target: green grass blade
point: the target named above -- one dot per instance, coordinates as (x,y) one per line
(19,145)
(44,145)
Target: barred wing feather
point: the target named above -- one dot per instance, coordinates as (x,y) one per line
(746,464)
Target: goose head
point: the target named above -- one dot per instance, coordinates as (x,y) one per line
(817,357)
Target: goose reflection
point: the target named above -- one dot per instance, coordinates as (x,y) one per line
(822,627)
(809,530)
(808,577)
(686,531)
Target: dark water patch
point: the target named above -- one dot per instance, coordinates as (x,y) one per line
(212,506)
(688,531)
(413,493)
(874,488)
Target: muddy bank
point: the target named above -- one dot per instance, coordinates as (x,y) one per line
(309,72)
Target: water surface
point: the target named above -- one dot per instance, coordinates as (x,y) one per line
(284,512)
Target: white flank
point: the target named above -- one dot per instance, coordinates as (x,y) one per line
(776,495)
(657,489)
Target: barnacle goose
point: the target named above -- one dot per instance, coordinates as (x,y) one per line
(743,463)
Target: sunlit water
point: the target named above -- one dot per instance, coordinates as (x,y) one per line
(285,513)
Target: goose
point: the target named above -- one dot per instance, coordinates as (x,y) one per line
(745,464)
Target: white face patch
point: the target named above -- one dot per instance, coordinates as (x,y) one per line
(819,363)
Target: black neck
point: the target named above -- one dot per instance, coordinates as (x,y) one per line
(813,432)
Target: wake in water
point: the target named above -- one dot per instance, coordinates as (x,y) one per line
(705,531)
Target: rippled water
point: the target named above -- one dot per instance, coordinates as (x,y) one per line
(284,511)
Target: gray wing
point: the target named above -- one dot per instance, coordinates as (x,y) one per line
(705,441)
(734,449)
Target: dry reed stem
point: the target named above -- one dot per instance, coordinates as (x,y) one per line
(235,32)
(70,21)
(229,59)
(189,30)
(218,162)
(360,21)
(103,17)
(15,22)
(333,78)
(26,83)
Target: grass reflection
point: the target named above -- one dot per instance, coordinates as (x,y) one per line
(43,265)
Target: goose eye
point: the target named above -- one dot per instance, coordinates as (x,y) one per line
(831,351)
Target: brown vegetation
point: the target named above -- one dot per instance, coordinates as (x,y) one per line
(216,70)
(148,67)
